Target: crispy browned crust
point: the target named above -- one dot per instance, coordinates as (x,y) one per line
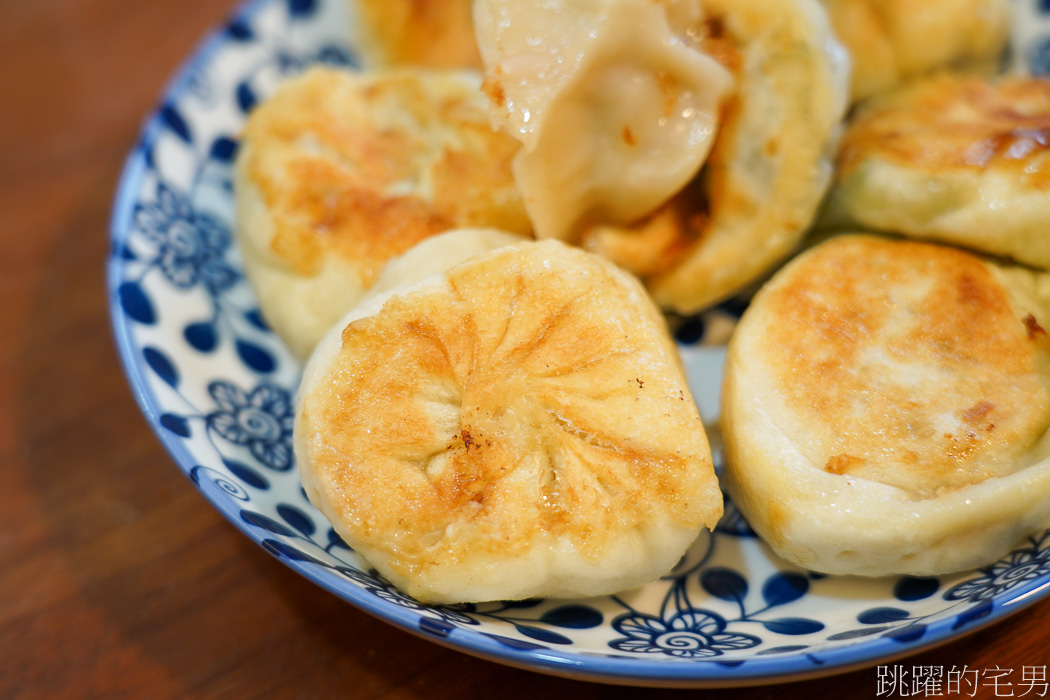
(659,241)
(908,362)
(956,123)
(330,152)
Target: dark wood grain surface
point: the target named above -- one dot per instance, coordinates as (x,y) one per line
(117,578)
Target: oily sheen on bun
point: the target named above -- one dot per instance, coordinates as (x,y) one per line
(340,171)
(886,406)
(951,158)
(518,426)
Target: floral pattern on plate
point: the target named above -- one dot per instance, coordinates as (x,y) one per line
(219,389)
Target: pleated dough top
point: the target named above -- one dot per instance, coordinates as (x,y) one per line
(517,427)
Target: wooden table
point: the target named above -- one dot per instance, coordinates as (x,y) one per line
(117,578)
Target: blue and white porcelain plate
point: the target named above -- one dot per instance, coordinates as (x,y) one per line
(218,387)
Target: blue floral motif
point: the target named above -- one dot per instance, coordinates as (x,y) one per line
(190,246)
(361,578)
(459,612)
(1013,570)
(261,420)
(684,630)
(456,614)
(165,234)
(389,593)
(1039,57)
(694,634)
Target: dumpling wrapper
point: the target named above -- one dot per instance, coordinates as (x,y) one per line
(770,167)
(886,406)
(615,107)
(517,427)
(339,171)
(951,158)
(893,41)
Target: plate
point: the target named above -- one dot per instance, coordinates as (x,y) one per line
(218,387)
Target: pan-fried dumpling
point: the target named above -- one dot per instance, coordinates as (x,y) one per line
(339,171)
(951,158)
(519,426)
(886,406)
(615,106)
(770,161)
(432,33)
(891,41)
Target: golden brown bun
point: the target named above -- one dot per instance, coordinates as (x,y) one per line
(768,170)
(431,33)
(436,255)
(952,158)
(338,172)
(891,41)
(519,426)
(886,406)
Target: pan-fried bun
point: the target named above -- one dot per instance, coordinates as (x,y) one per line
(952,158)
(340,171)
(432,33)
(435,255)
(886,406)
(892,41)
(519,426)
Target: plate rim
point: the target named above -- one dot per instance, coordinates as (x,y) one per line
(665,672)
